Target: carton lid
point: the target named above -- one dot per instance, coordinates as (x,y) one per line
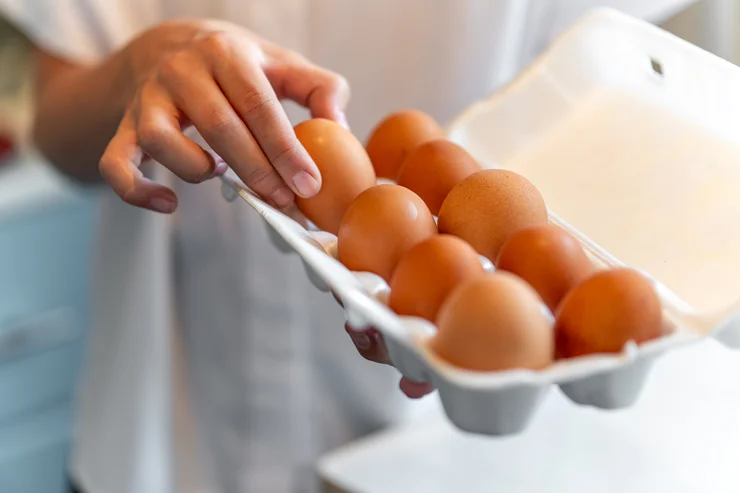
(628,134)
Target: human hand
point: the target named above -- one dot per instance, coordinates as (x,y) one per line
(227,83)
(371,346)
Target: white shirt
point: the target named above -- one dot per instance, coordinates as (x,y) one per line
(214,365)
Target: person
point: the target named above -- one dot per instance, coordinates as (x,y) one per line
(214,366)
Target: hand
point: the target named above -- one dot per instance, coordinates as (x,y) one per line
(227,83)
(371,346)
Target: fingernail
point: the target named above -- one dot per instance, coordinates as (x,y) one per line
(306,185)
(282,197)
(160,204)
(221,169)
(362,341)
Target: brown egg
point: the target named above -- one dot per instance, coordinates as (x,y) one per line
(345,168)
(395,136)
(434,168)
(489,206)
(548,258)
(380,226)
(605,311)
(427,274)
(494,322)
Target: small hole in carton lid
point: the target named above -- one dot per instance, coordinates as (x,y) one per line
(656,66)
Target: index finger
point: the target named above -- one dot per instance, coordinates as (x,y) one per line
(250,93)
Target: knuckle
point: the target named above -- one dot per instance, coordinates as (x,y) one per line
(217,42)
(262,178)
(151,136)
(130,198)
(107,169)
(176,66)
(255,103)
(286,152)
(218,121)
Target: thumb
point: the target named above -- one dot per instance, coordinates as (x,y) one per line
(323,92)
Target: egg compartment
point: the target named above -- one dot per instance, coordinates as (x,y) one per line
(625,141)
(499,403)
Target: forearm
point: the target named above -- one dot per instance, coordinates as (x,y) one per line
(78,110)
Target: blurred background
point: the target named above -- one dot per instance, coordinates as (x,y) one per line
(46,236)
(47,230)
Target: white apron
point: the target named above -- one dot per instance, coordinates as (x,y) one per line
(214,365)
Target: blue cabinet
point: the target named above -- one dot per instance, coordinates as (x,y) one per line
(45,262)
(34,452)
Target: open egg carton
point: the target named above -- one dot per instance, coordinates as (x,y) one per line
(630,134)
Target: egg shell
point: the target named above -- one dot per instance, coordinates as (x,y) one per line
(607,310)
(494,322)
(428,273)
(432,169)
(489,206)
(551,260)
(380,226)
(345,168)
(395,136)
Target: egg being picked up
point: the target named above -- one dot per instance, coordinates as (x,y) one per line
(345,168)
(380,226)
(428,273)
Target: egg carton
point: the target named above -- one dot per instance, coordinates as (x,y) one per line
(609,123)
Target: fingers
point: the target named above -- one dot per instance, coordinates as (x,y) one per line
(369,344)
(207,108)
(249,91)
(325,93)
(415,390)
(152,128)
(160,137)
(119,166)
(226,86)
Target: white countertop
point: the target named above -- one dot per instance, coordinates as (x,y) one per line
(683,436)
